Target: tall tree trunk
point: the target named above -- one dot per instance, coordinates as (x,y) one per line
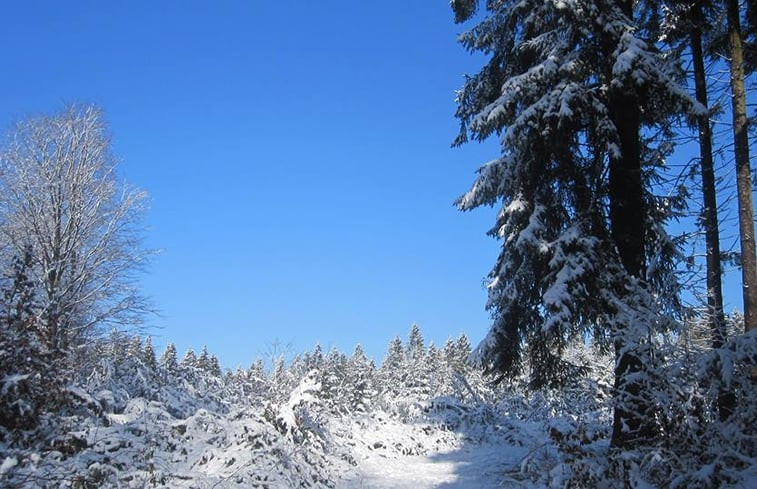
(743,171)
(630,418)
(715,315)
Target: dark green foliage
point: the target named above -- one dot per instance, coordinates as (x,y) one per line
(31,375)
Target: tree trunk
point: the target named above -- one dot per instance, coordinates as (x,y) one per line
(743,171)
(627,227)
(715,315)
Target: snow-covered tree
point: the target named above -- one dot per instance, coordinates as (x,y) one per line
(335,384)
(60,195)
(568,86)
(360,374)
(203,360)
(393,371)
(148,354)
(190,359)
(416,348)
(258,379)
(281,381)
(133,346)
(31,376)
(214,366)
(169,358)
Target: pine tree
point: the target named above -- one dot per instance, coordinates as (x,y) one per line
(214,366)
(315,359)
(169,358)
(564,87)
(190,359)
(203,360)
(462,351)
(257,378)
(434,372)
(416,349)
(148,354)
(360,374)
(395,356)
(332,375)
(133,346)
(393,372)
(31,374)
(282,382)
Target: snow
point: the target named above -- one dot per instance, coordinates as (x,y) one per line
(9,381)
(480,466)
(423,419)
(8,464)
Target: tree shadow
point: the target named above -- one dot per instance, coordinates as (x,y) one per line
(492,447)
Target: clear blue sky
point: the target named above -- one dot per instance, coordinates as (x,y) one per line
(297,155)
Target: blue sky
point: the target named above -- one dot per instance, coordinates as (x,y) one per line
(297,155)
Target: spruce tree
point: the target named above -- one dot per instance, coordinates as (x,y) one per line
(360,374)
(415,344)
(462,351)
(169,358)
(203,361)
(393,372)
(564,87)
(31,374)
(148,354)
(190,359)
(395,356)
(214,366)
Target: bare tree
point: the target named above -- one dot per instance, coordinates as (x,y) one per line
(59,196)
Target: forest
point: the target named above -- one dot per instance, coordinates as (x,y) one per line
(625,131)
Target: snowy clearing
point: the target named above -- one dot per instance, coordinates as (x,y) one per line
(471,466)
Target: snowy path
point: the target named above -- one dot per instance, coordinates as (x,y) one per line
(476,466)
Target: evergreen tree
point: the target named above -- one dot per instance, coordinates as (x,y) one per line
(434,372)
(257,378)
(450,353)
(315,359)
(31,375)
(360,374)
(203,361)
(395,356)
(332,375)
(133,346)
(190,359)
(564,87)
(462,351)
(393,371)
(214,366)
(415,344)
(148,354)
(282,382)
(169,358)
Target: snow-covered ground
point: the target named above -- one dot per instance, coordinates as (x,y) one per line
(480,466)
(419,421)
